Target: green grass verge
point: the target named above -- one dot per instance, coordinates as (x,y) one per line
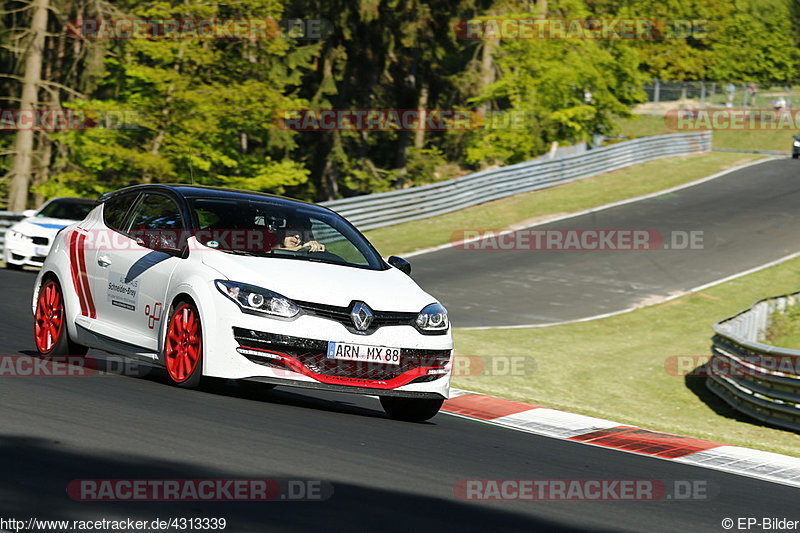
(614,368)
(583,194)
(778,140)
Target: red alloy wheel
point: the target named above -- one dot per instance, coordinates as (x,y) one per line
(184,345)
(49,321)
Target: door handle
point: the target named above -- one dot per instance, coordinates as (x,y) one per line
(103,261)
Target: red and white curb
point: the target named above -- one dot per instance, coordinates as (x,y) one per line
(529,418)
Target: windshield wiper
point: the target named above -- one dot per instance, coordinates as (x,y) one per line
(243,252)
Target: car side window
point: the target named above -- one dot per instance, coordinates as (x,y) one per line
(156,212)
(115,209)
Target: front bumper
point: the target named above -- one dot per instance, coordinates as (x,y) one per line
(294,353)
(24,252)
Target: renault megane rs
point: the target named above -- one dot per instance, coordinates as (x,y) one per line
(246,286)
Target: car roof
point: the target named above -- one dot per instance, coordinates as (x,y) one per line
(202,191)
(73,200)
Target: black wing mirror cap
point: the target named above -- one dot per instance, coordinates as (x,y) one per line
(400,264)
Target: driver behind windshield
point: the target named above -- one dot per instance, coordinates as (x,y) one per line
(292,239)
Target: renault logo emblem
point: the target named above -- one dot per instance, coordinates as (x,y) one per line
(362,316)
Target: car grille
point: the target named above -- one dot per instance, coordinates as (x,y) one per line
(342,316)
(313,355)
(42,241)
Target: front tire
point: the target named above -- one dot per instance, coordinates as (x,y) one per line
(411,409)
(183,346)
(50,333)
(795,156)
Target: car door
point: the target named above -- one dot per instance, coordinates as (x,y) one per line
(133,271)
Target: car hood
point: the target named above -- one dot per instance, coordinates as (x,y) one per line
(382,290)
(40,226)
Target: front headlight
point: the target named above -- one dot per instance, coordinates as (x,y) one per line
(433,318)
(257,300)
(796,143)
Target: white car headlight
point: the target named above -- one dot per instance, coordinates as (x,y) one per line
(19,236)
(433,318)
(257,300)
(796,143)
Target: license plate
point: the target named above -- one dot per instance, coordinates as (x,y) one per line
(359,352)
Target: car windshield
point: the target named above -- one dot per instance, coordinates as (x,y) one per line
(271,229)
(66,209)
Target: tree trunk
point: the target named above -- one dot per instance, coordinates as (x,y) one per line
(43,166)
(324,167)
(161,134)
(21,171)
(422,104)
(487,73)
(330,182)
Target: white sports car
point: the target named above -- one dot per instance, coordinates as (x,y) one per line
(28,241)
(246,286)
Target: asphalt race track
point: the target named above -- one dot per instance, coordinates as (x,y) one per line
(748,217)
(385,475)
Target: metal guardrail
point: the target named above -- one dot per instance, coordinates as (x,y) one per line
(388,208)
(7,219)
(754,378)
(394,207)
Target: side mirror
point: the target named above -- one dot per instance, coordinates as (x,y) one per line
(164,241)
(28,213)
(400,264)
(166,244)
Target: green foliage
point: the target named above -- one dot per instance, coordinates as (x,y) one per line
(567,90)
(205,111)
(424,165)
(732,40)
(755,44)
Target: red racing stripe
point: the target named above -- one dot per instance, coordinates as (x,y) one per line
(296,366)
(87,291)
(73,267)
